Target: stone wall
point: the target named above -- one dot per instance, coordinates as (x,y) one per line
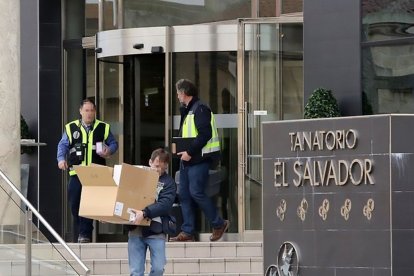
(9,105)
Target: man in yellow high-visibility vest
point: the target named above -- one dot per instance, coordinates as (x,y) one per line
(197,121)
(84,141)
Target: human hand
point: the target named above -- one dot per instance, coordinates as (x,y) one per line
(62,165)
(106,152)
(184,156)
(139,216)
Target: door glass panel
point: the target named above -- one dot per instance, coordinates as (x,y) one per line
(291,62)
(91,17)
(214,74)
(144,103)
(262,103)
(110,16)
(90,73)
(110,108)
(273,90)
(110,111)
(182,12)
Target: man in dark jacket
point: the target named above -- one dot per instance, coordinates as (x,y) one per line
(197,122)
(141,238)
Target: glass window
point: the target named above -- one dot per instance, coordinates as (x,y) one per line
(91,17)
(273,90)
(110,14)
(387,19)
(267,8)
(90,73)
(292,6)
(152,13)
(388,79)
(110,98)
(214,74)
(292,70)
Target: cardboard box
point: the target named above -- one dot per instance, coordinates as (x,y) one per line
(103,199)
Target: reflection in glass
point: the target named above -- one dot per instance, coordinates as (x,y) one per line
(110,92)
(90,73)
(214,73)
(144,112)
(110,111)
(267,8)
(273,90)
(91,17)
(292,6)
(292,70)
(387,19)
(150,13)
(388,79)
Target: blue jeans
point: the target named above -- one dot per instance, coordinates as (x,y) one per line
(81,226)
(137,249)
(193,181)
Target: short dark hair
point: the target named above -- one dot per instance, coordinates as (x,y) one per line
(187,87)
(162,155)
(87,100)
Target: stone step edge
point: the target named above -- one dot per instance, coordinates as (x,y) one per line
(188,259)
(179,259)
(198,274)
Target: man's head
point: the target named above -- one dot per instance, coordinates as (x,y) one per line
(159,160)
(87,111)
(186,90)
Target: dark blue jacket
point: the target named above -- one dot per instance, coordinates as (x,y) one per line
(202,121)
(166,197)
(162,207)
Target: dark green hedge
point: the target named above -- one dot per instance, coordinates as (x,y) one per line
(321,104)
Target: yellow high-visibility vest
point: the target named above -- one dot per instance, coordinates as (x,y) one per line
(189,130)
(99,133)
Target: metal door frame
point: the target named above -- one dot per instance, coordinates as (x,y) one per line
(249,235)
(193,38)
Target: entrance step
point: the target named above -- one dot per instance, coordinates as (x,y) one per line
(183,259)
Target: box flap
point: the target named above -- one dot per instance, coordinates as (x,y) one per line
(97,201)
(137,189)
(132,176)
(95,175)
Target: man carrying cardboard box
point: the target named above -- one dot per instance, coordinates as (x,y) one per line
(78,143)
(141,238)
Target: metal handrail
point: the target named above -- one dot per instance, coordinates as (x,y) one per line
(45,223)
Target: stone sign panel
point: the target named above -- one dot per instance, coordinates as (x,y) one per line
(338,196)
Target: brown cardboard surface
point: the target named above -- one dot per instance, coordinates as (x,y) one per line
(95,175)
(137,188)
(92,197)
(103,200)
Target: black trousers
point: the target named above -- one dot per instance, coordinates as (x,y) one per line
(81,226)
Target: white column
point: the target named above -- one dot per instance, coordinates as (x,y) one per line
(9,106)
